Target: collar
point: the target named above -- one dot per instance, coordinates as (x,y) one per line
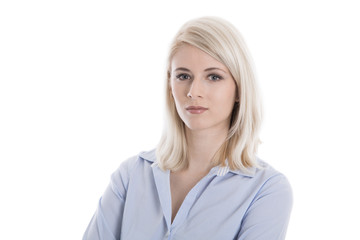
(220,171)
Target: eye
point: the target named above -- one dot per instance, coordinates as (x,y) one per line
(183,76)
(214,77)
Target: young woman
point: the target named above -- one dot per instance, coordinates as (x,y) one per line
(203,181)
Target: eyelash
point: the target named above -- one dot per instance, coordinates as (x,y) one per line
(217,76)
(182,75)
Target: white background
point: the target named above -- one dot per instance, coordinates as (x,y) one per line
(81,89)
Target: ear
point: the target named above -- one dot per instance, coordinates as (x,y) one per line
(170,92)
(237,97)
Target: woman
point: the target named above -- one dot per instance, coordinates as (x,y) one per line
(203,181)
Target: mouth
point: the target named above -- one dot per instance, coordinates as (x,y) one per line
(196,109)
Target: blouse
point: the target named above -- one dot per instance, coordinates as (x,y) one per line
(225,204)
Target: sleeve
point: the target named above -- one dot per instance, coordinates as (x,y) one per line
(106,222)
(269,213)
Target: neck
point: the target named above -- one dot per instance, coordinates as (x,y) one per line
(202,146)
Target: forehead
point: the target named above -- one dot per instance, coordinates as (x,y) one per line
(190,57)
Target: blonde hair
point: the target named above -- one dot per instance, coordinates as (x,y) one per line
(222,41)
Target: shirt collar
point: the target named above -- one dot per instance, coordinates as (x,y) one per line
(218,170)
(223,170)
(148,155)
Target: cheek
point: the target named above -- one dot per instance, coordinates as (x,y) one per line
(176,98)
(176,92)
(225,99)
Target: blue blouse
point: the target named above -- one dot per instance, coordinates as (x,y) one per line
(223,205)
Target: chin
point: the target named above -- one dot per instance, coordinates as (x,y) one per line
(194,126)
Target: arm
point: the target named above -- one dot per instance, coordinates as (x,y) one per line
(268,215)
(106,222)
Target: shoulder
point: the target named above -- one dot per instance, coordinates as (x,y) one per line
(269,210)
(127,166)
(265,180)
(273,183)
(132,166)
(266,172)
(148,156)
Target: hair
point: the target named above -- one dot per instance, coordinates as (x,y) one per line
(222,41)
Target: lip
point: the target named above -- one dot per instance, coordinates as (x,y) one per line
(196,109)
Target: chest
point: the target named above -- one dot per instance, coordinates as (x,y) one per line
(180,185)
(197,206)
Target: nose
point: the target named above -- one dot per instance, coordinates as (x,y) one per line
(195,90)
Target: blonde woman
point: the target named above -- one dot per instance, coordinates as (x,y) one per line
(203,181)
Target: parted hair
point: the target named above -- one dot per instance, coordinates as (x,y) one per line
(222,41)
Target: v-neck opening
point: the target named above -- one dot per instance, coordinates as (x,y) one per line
(165,197)
(187,203)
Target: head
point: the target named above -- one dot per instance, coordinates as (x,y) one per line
(223,43)
(203,90)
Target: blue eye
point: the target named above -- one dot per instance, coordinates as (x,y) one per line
(183,76)
(214,77)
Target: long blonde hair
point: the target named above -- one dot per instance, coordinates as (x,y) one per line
(222,41)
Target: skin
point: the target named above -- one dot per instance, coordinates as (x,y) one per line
(197,79)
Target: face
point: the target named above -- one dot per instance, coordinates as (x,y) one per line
(203,89)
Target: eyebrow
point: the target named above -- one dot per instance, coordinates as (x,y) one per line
(182,69)
(206,70)
(214,68)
